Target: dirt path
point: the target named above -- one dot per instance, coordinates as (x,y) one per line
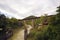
(20,34)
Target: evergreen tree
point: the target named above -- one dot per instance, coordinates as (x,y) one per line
(58,15)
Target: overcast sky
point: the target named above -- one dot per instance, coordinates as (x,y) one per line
(23,8)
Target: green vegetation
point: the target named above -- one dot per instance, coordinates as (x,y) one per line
(6,22)
(7,26)
(51,31)
(28,19)
(46,28)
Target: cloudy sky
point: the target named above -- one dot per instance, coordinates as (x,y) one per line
(23,8)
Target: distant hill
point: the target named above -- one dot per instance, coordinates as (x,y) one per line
(34,17)
(30,17)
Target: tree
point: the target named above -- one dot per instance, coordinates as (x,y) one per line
(54,26)
(3,21)
(58,15)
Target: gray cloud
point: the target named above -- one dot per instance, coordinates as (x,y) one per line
(9,9)
(24,8)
